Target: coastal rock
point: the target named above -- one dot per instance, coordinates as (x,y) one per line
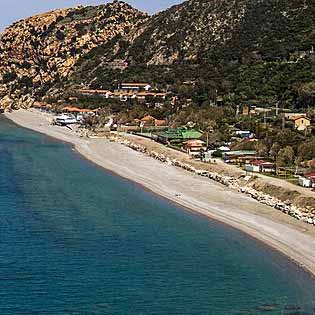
(6,102)
(26,101)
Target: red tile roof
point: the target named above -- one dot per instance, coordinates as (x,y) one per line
(301,117)
(261,163)
(148,118)
(136,84)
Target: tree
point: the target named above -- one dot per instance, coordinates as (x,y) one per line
(274,150)
(311,164)
(297,162)
(306,151)
(9,77)
(60,35)
(307,93)
(285,156)
(245,145)
(261,149)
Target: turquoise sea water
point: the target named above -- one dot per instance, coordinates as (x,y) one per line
(75,239)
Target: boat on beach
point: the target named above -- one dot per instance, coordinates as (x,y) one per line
(64,120)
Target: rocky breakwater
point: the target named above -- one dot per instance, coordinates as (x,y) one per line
(306,215)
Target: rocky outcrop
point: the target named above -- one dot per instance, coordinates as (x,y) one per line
(6,102)
(41,51)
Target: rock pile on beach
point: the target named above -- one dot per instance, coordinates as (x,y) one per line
(302,214)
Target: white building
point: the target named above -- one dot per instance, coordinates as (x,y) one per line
(135,86)
(259,166)
(307,181)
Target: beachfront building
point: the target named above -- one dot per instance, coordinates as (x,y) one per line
(194,148)
(43,106)
(178,135)
(260,166)
(149,120)
(307,181)
(240,157)
(72,109)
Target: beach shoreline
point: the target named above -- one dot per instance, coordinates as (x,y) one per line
(293,238)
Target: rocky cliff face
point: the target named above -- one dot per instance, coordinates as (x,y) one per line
(41,51)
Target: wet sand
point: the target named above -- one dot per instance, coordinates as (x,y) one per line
(291,237)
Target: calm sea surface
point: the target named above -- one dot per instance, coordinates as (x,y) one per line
(75,239)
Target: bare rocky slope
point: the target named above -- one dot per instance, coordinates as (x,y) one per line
(38,52)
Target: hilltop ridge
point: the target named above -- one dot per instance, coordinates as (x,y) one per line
(245,50)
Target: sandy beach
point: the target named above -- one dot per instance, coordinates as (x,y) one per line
(291,237)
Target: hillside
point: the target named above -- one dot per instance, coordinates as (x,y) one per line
(245,51)
(202,30)
(41,51)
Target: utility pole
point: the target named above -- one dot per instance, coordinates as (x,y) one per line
(277,109)
(207,139)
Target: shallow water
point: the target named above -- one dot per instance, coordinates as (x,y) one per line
(75,239)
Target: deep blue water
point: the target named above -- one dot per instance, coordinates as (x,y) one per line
(75,239)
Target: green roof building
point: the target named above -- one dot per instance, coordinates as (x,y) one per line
(176,135)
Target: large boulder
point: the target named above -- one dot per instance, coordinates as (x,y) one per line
(25,101)
(6,102)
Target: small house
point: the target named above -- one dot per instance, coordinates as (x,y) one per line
(246,110)
(239,157)
(260,166)
(135,87)
(293,116)
(302,123)
(160,123)
(42,106)
(176,135)
(151,121)
(307,180)
(223,149)
(244,134)
(194,147)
